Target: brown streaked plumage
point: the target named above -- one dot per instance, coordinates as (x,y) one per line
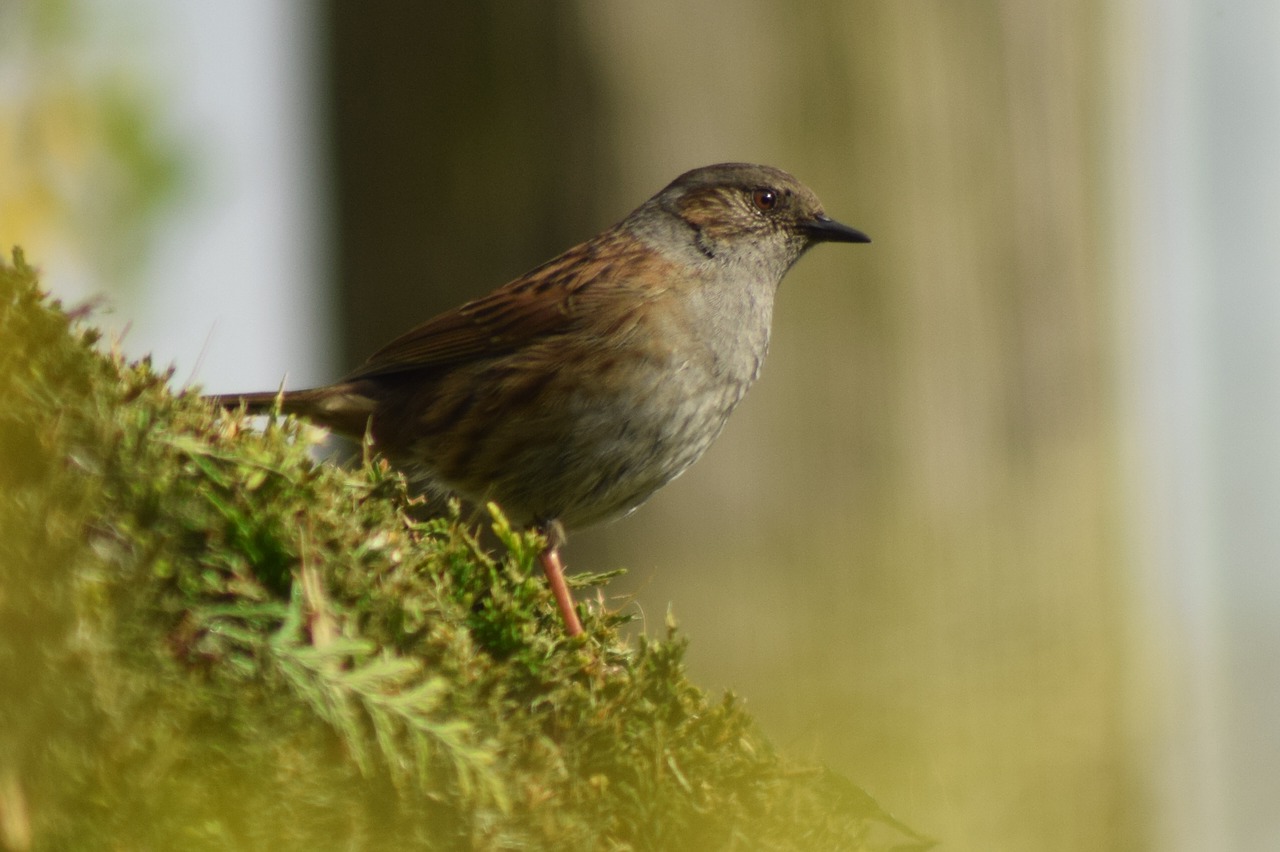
(572,393)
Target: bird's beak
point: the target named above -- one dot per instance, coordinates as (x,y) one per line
(824,229)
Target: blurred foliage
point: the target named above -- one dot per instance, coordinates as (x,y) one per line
(85,165)
(211,642)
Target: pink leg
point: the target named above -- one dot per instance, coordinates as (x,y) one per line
(550,559)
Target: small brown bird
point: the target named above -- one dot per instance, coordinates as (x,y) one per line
(573,393)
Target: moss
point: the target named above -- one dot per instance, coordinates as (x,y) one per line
(210,641)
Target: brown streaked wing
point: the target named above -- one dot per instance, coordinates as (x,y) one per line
(548,300)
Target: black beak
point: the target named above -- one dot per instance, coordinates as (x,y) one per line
(823,229)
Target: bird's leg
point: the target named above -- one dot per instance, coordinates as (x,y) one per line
(550,559)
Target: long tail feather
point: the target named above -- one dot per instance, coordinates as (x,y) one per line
(259,402)
(341,408)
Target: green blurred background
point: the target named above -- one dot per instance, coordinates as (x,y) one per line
(957,543)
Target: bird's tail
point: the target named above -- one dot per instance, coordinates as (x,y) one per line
(259,402)
(340,407)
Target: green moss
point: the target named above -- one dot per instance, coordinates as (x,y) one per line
(209,641)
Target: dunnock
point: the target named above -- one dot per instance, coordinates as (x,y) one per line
(574,392)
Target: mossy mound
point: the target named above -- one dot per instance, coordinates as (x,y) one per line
(210,641)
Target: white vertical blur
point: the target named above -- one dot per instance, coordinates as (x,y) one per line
(1200,254)
(238,291)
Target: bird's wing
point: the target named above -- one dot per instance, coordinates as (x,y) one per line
(549,300)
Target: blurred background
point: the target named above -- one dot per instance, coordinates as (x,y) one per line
(997,535)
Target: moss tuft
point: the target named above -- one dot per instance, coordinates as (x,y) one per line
(210,641)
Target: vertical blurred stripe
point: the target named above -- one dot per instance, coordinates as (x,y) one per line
(1197,169)
(188,181)
(240,286)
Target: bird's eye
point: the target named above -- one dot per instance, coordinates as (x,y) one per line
(764,199)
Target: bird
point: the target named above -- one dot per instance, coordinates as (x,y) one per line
(571,394)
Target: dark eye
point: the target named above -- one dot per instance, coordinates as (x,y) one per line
(764,199)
